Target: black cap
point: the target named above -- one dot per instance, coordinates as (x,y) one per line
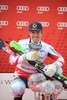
(35,26)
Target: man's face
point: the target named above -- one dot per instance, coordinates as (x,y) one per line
(35,35)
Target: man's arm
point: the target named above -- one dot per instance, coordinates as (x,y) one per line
(51,69)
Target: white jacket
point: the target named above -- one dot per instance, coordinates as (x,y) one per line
(46,51)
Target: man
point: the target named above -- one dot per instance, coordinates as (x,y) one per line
(35,50)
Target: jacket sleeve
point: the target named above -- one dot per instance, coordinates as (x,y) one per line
(55,55)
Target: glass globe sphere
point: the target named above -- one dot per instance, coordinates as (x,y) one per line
(58,87)
(35,80)
(48,87)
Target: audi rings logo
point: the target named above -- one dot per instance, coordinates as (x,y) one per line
(3,23)
(42,9)
(61,25)
(22,8)
(20,24)
(61,10)
(3,7)
(45,24)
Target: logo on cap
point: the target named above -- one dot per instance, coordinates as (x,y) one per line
(34,25)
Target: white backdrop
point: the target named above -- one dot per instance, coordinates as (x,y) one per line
(5,81)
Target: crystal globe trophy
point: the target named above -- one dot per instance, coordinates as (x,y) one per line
(34,82)
(58,89)
(48,89)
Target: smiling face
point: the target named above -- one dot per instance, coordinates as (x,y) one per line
(35,35)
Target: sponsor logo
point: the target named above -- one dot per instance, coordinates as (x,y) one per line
(61,10)
(34,26)
(45,24)
(21,24)
(3,23)
(20,9)
(42,9)
(61,25)
(3,7)
(5,81)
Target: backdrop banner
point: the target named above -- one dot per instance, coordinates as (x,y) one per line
(15,17)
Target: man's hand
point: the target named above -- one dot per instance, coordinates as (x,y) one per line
(50,70)
(33,55)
